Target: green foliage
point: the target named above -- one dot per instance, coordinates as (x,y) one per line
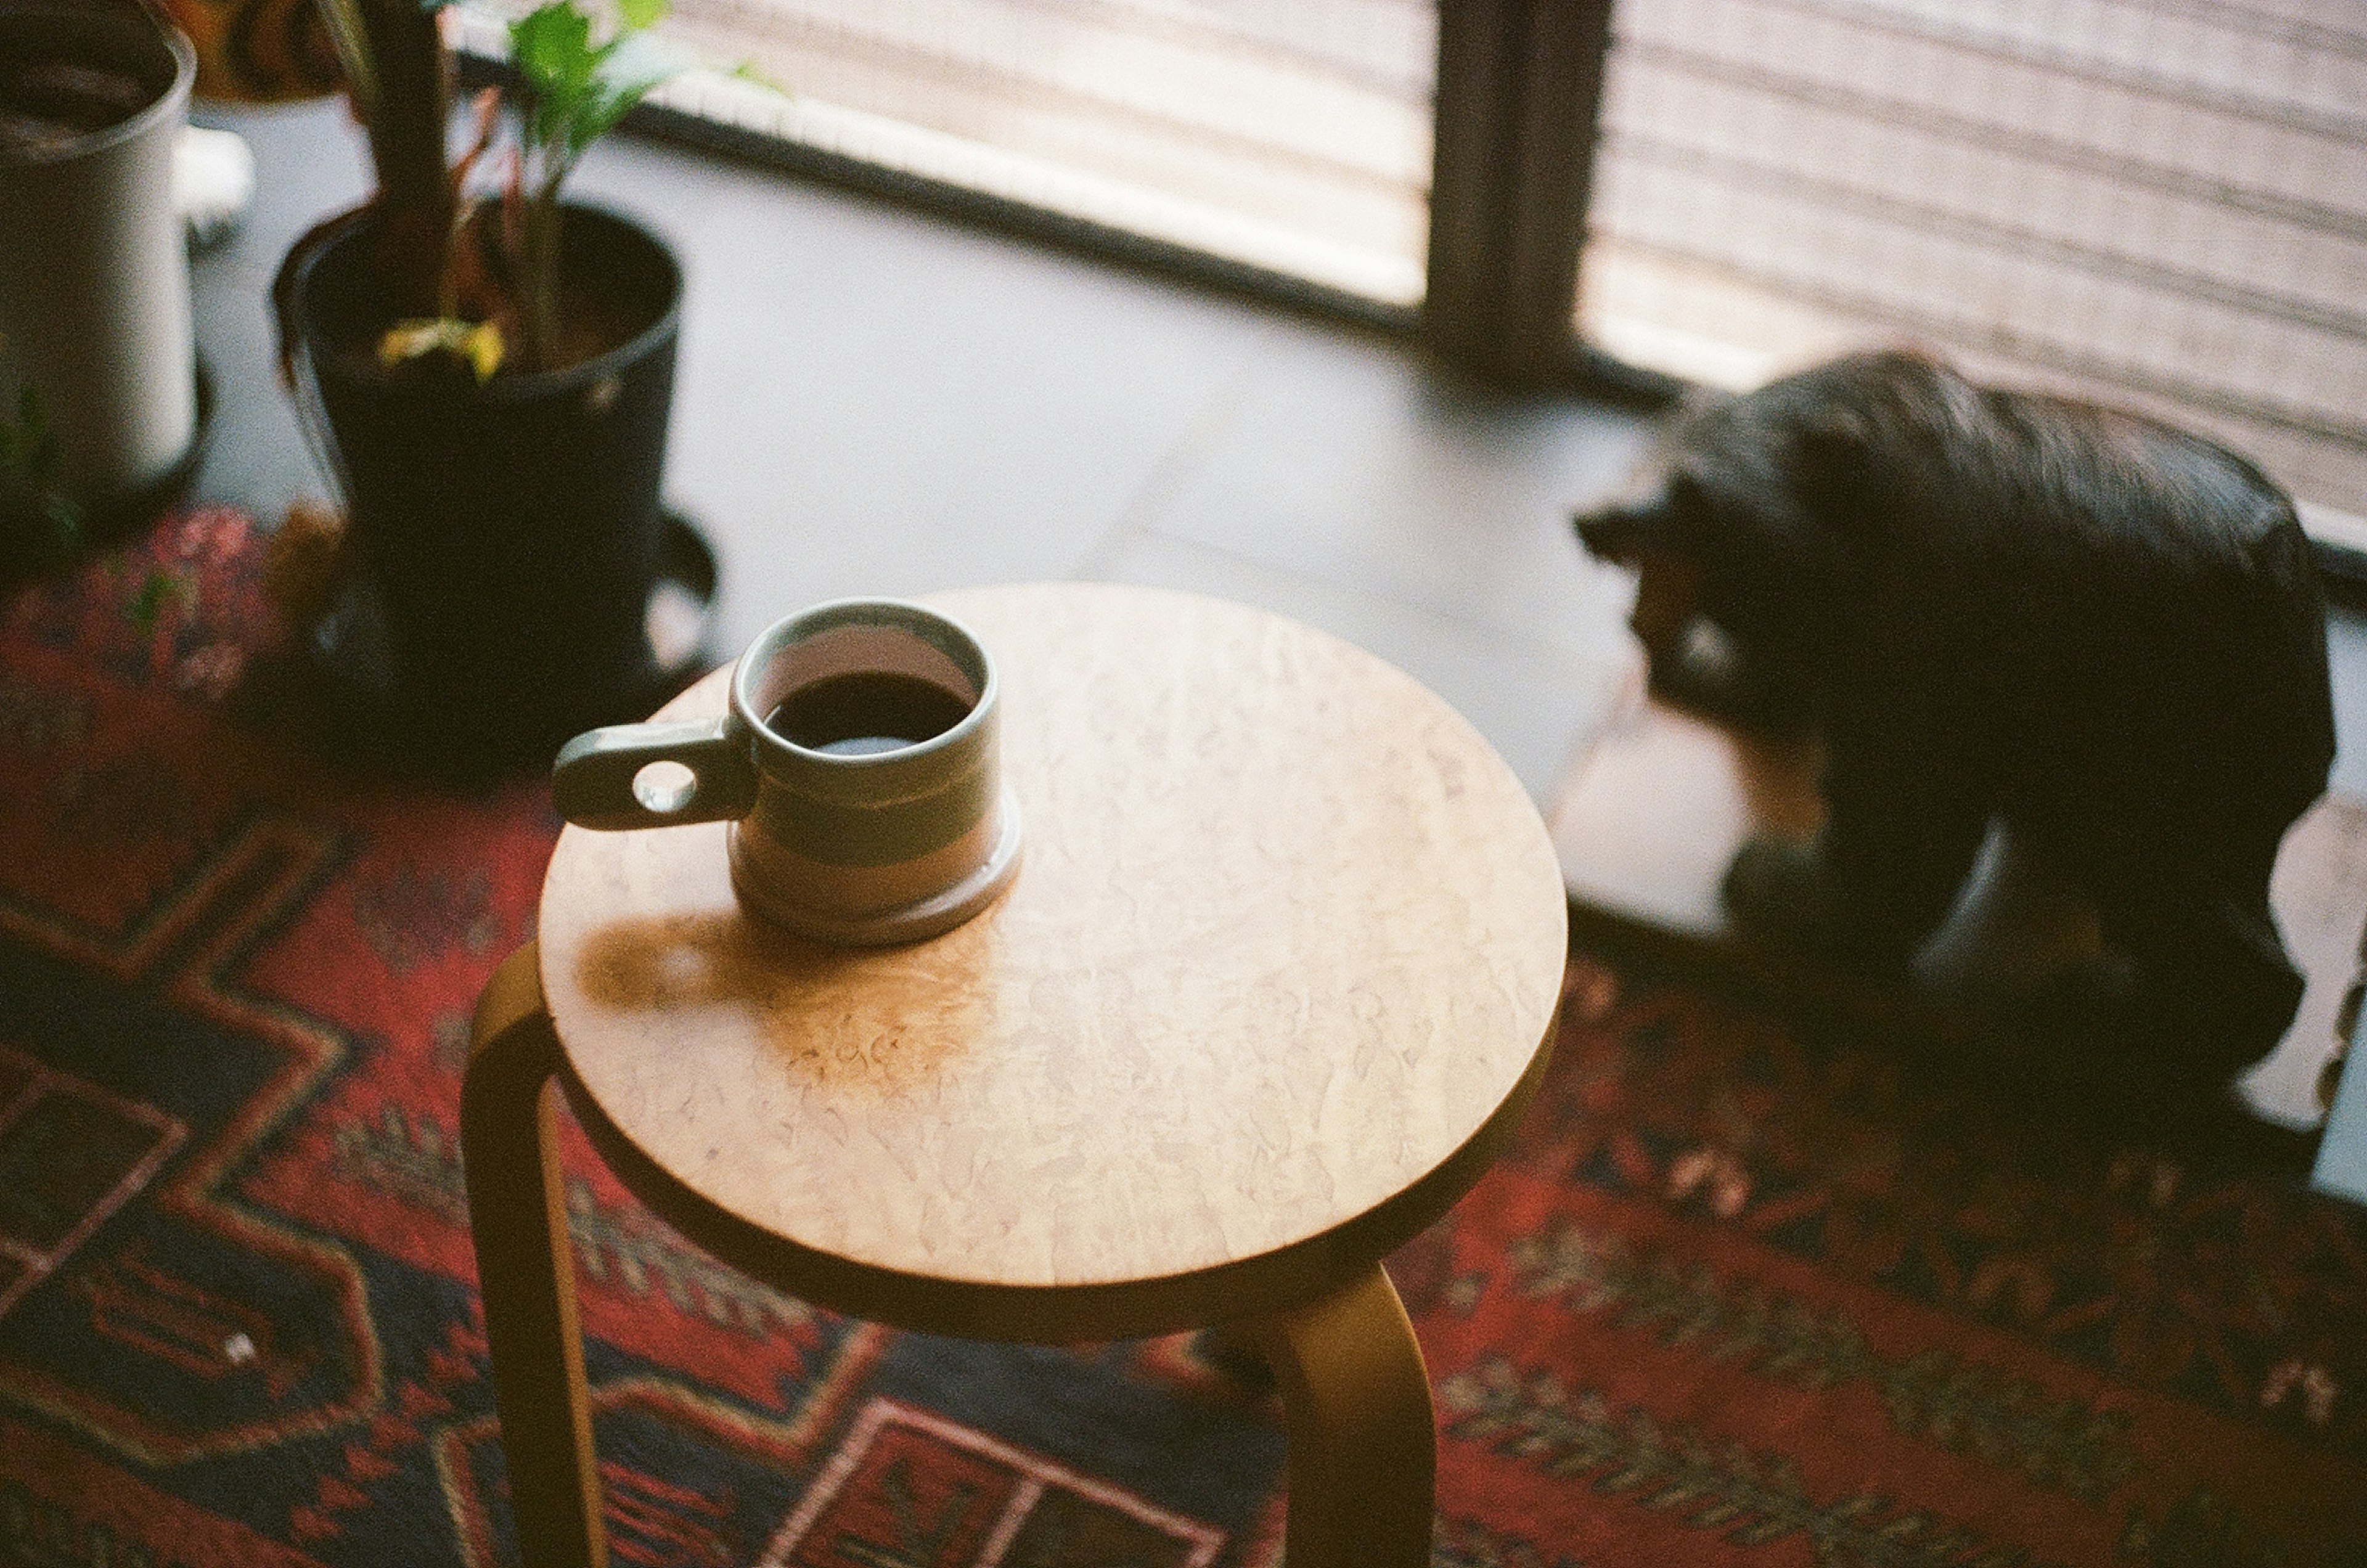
(159,589)
(748,70)
(580,67)
(31,459)
(572,91)
(575,92)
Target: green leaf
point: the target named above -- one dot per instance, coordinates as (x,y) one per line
(628,69)
(552,44)
(575,92)
(748,70)
(148,606)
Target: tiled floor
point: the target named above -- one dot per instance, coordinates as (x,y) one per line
(873,401)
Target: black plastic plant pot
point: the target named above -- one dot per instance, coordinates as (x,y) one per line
(505,536)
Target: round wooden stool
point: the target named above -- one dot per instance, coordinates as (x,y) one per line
(1272,988)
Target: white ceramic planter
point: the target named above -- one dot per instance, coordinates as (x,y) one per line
(94,271)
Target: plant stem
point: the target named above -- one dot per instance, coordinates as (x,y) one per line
(407,119)
(541,281)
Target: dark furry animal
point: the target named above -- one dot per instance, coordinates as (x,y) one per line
(2103,630)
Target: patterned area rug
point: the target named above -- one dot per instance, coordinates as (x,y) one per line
(1736,1297)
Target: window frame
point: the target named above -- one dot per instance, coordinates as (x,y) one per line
(1511,166)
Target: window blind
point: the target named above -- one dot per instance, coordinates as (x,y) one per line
(2158,203)
(1288,140)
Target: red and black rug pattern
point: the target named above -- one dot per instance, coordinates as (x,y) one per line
(1737,1297)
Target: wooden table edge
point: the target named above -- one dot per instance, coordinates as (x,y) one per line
(1240,1291)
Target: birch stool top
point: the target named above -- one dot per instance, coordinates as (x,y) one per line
(1267,996)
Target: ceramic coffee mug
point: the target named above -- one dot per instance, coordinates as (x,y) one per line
(858,766)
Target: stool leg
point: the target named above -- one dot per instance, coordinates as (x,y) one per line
(517,1217)
(1364,1453)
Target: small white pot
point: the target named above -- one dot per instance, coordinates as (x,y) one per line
(94,270)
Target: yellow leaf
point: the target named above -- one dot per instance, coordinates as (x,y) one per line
(479,343)
(484,348)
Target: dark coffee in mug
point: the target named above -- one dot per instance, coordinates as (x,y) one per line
(865,711)
(857,762)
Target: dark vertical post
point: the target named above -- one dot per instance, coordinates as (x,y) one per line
(1476,40)
(1520,88)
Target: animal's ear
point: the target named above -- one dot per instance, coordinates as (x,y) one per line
(1628,529)
(1831,449)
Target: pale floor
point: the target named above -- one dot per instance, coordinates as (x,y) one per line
(873,401)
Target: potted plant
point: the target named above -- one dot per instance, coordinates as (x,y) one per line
(489,375)
(99,403)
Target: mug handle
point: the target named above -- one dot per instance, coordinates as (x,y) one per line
(592,782)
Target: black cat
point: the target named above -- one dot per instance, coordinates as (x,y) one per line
(1993,604)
